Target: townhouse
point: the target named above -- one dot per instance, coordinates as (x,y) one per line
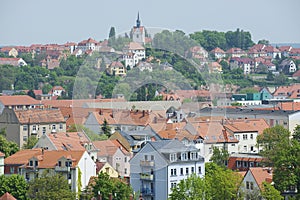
(19,102)
(76,166)
(21,124)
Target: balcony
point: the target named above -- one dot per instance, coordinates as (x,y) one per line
(147,192)
(147,177)
(147,163)
(62,169)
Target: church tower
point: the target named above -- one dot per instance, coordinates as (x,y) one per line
(138,32)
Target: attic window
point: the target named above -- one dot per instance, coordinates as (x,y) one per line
(173,157)
(31,163)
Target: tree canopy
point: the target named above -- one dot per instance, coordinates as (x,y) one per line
(50,187)
(15,185)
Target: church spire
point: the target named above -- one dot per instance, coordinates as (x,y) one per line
(138,21)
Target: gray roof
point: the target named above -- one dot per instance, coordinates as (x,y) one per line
(240,111)
(131,135)
(171,146)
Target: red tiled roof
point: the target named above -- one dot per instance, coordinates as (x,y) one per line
(261,175)
(134,46)
(217,50)
(69,140)
(35,116)
(22,156)
(106,147)
(248,125)
(296,74)
(18,100)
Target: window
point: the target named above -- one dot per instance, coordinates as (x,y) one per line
(34,127)
(69,176)
(184,156)
(251,136)
(44,130)
(187,170)
(53,127)
(199,170)
(146,157)
(12,170)
(36,163)
(194,155)
(125,170)
(245,136)
(245,148)
(181,171)
(59,163)
(238,163)
(152,157)
(192,170)
(173,157)
(173,172)
(24,138)
(247,185)
(31,163)
(173,185)
(25,128)
(251,186)
(125,159)
(61,126)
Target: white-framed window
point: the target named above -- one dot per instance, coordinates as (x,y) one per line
(61,126)
(184,156)
(25,127)
(251,136)
(181,171)
(194,155)
(53,127)
(173,157)
(192,170)
(25,138)
(245,137)
(186,170)
(199,170)
(173,185)
(173,172)
(125,170)
(34,127)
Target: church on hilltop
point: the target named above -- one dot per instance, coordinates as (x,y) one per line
(138,32)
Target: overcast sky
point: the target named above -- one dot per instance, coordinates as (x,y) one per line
(58,21)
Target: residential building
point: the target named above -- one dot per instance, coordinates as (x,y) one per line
(105,167)
(272,52)
(75,166)
(10,51)
(21,124)
(142,66)
(246,64)
(133,53)
(16,62)
(242,162)
(235,52)
(199,53)
(159,166)
(288,119)
(287,92)
(112,152)
(218,53)
(285,50)
(253,180)
(19,102)
(287,66)
(57,91)
(68,141)
(2,155)
(116,68)
(89,44)
(246,132)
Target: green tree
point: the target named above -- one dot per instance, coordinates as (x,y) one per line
(7,147)
(192,188)
(269,192)
(106,128)
(50,187)
(93,136)
(31,93)
(31,141)
(281,79)
(263,41)
(15,185)
(223,183)
(106,185)
(220,157)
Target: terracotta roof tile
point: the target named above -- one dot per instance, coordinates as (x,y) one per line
(106,147)
(18,100)
(7,196)
(35,116)
(260,175)
(248,125)
(22,156)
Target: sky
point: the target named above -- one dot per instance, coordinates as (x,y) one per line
(59,21)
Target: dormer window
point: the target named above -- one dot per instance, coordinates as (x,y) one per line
(173,157)
(36,163)
(59,163)
(30,163)
(184,156)
(194,155)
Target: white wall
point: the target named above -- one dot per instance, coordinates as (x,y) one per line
(88,169)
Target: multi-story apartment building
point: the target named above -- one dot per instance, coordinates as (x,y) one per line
(159,166)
